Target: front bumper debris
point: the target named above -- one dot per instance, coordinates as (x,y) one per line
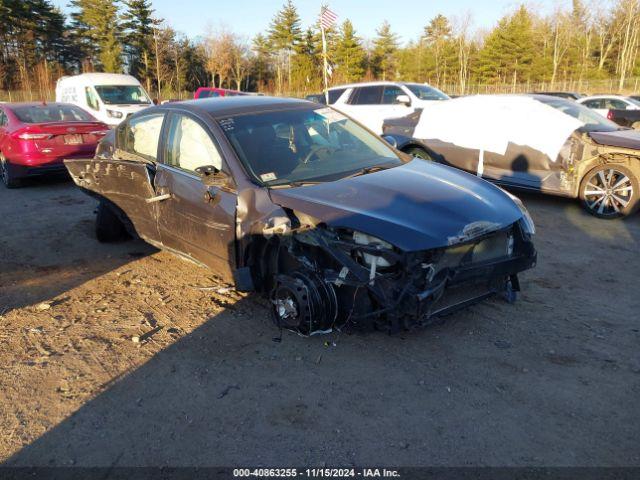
(414,289)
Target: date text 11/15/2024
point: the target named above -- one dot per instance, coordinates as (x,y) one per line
(316,472)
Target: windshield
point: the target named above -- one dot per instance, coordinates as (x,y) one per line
(304,145)
(122,94)
(425,92)
(593,122)
(51,113)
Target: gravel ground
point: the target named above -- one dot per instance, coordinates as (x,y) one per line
(551,380)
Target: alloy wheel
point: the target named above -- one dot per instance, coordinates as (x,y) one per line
(608,192)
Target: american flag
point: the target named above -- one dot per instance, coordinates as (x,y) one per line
(327,18)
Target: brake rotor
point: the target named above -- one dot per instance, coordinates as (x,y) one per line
(303,302)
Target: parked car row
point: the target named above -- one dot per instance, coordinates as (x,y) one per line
(36,137)
(307,203)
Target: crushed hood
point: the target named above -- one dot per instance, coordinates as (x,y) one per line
(619,138)
(417,206)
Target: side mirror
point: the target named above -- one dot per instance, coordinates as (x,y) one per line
(404,100)
(390,140)
(212,177)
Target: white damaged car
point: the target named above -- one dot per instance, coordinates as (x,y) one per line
(533,142)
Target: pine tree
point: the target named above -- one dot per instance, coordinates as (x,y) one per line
(285,35)
(137,25)
(350,56)
(97,29)
(262,59)
(32,38)
(385,47)
(438,38)
(509,50)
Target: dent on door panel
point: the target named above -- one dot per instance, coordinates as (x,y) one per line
(126,184)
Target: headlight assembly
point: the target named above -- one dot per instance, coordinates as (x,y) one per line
(368,240)
(114,114)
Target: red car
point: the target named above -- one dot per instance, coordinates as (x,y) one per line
(36,137)
(210,92)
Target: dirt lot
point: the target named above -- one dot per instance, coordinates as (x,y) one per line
(551,380)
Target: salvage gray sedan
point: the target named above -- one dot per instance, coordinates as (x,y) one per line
(298,201)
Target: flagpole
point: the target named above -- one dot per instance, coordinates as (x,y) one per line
(325,63)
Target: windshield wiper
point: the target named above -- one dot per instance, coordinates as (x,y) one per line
(371,169)
(297,183)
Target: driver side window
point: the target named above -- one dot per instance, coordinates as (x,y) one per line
(190,146)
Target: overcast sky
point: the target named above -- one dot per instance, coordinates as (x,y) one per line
(407,17)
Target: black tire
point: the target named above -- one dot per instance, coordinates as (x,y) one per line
(610,191)
(5,172)
(109,228)
(418,153)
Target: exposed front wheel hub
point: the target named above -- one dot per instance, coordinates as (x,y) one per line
(303,302)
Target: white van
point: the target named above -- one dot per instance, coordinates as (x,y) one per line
(110,97)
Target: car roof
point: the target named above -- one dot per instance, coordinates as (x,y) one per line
(99,78)
(544,98)
(595,97)
(219,89)
(35,104)
(375,84)
(219,107)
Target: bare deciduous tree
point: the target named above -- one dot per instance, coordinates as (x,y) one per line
(218,46)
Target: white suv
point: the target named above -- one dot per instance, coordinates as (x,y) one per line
(371,103)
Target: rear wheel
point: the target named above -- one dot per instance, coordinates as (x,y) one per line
(418,152)
(610,191)
(5,172)
(109,228)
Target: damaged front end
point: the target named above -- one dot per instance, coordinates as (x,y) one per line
(323,278)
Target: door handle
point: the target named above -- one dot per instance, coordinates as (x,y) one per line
(159,198)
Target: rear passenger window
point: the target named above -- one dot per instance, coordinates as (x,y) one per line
(141,136)
(3,119)
(366,96)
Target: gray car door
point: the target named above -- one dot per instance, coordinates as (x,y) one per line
(194,219)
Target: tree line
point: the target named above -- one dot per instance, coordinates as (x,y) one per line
(577,45)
